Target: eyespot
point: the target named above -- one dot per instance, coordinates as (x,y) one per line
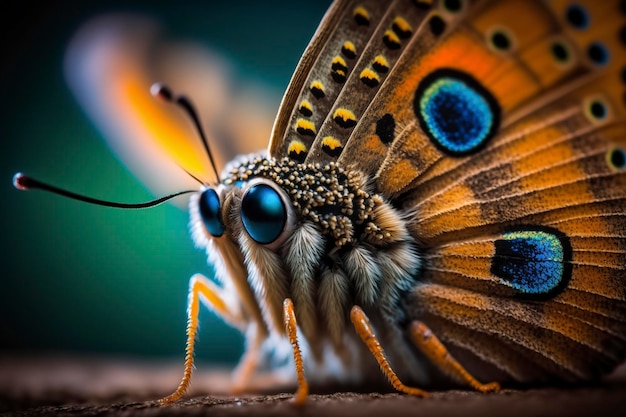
(562,53)
(456,112)
(210,212)
(263,213)
(616,158)
(598,53)
(534,260)
(597,109)
(501,39)
(577,16)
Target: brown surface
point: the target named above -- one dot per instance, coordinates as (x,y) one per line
(37,386)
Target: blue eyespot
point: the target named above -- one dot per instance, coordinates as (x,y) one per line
(456,112)
(263,213)
(534,261)
(211,213)
(598,53)
(577,16)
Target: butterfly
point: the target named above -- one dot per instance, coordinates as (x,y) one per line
(443,199)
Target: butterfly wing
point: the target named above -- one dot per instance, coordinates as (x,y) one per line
(338,77)
(535,259)
(501,125)
(541,267)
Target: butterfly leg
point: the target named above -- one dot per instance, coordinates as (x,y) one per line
(199,285)
(291,328)
(366,332)
(432,347)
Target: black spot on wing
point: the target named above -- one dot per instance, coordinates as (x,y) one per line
(385,127)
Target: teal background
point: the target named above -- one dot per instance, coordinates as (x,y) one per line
(86,279)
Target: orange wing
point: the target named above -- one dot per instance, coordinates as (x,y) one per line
(501,126)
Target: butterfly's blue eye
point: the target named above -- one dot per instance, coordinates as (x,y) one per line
(263,213)
(210,212)
(456,112)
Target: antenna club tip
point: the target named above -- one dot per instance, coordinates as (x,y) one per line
(160,91)
(21,181)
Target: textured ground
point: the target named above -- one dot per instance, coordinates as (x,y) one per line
(38,386)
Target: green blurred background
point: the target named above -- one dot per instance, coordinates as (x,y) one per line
(78,278)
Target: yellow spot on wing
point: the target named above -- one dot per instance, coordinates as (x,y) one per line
(297,147)
(339,69)
(402,27)
(339,61)
(380,63)
(361,13)
(344,114)
(331,142)
(341,73)
(317,88)
(390,37)
(369,74)
(305,126)
(349,49)
(306,108)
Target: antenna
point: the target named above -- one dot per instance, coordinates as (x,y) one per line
(24,182)
(161,91)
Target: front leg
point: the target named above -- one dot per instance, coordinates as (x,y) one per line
(212,296)
(291,328)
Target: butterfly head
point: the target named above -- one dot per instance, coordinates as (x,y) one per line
(263,207)
(258,206)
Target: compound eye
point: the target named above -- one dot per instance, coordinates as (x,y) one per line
(210,211)
(263,213)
